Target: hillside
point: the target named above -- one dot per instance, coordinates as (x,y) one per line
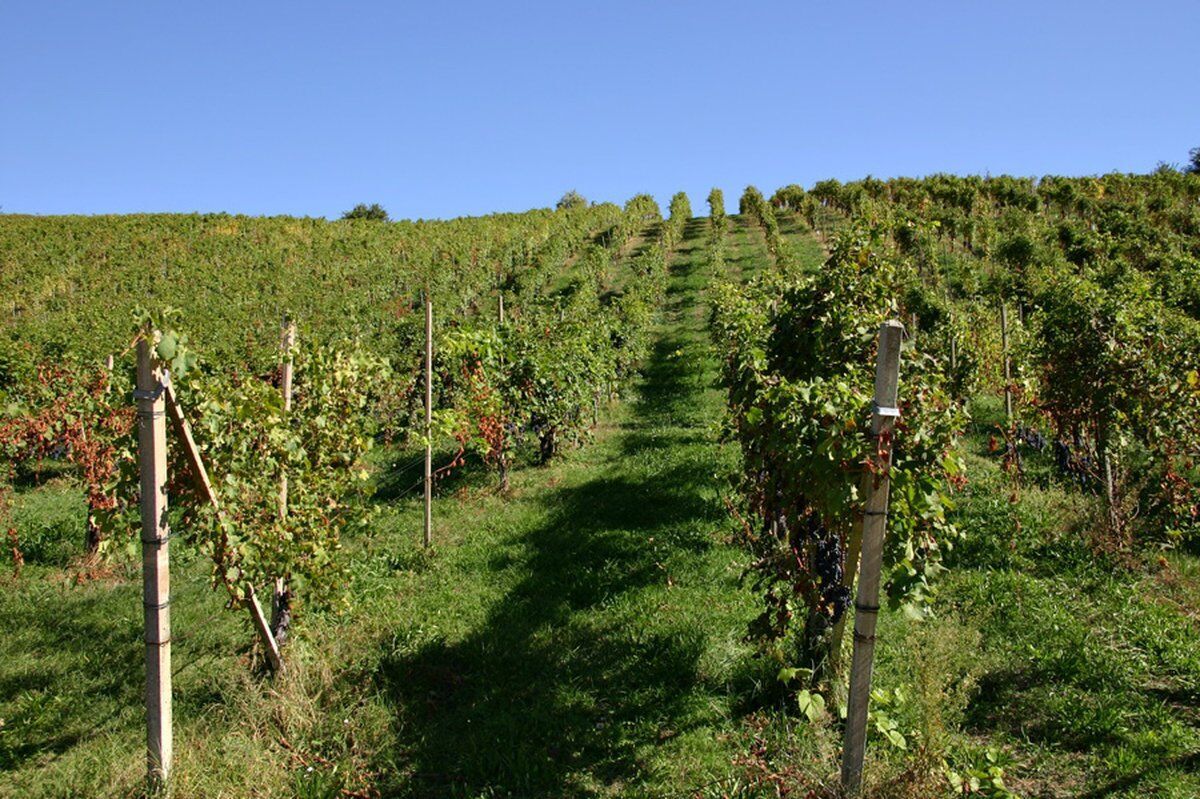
(667,403)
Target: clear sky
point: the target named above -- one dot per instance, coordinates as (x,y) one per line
(437,109)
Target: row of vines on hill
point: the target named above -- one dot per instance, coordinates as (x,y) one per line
(543,371)
(1099,283)
(1076,299)
(798,352)
(541,319)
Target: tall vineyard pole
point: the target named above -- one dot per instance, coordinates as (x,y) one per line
(866,605)
(287,342)
(156,576)
(1008,400)
(281,601)
(429,420)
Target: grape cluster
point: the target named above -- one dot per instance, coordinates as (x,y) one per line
(1075,462)
(829,565)
(1073,459)
(807,556)
(1031,437)
(828,560)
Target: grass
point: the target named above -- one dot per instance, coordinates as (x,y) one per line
(583,637)
(1094,660)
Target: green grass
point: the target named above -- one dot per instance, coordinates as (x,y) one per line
(746,247)
(583,636)
(1093,670)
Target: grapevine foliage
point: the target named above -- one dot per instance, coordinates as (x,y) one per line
(1101,281)
(248,442)
(799,368)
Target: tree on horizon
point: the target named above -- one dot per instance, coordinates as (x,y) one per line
(572,199)
(374,212)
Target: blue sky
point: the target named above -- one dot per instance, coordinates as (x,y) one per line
(443,109)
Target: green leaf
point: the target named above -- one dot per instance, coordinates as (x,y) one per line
(811,704)
(167,346)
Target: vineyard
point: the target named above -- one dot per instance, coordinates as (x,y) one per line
(711,504)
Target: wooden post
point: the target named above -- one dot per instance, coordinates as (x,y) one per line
(264,630)
(287,342)
(108,366)
(280,600)
(866,605)
(1110,493)
(429,420)
(1008,409)
(156,576)
(500,293)
(1107,474)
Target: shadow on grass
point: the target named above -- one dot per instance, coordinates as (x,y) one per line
(574,673)
(402,474)
(52,704)
(1189,763)
(547,688)
(83,672)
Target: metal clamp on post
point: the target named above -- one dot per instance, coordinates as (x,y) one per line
(139,394)
(880,410)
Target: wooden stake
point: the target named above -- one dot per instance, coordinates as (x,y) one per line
(1110,493)
(500,292)
(429,419)
(866,605)
(156,576)
(1109,477)
(264,630)
(1008,409)
(280,601)
(190,451)
(287,342)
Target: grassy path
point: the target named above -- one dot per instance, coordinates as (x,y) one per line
(585,640)
(746,247)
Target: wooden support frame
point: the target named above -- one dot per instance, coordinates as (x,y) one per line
(200,474)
